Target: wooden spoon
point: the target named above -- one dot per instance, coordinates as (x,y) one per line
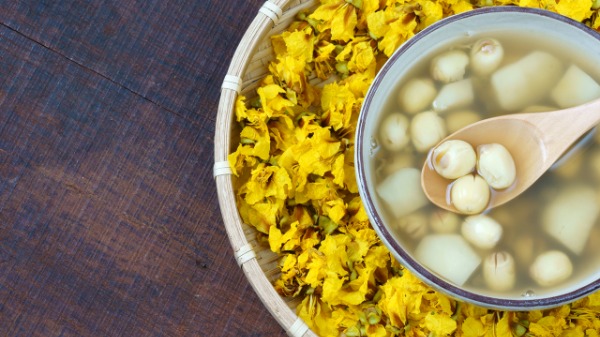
(535,141)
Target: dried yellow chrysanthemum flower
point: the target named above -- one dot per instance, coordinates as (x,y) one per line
(298,188)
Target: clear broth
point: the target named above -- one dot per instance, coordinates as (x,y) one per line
(521,218)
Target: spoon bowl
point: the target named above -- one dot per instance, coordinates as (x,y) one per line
(535,141)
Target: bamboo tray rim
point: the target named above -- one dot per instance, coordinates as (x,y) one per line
(243,75)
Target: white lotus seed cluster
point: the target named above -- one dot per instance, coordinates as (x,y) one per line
(475,173)
(521,246)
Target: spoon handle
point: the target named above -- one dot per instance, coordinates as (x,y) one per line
(558,130)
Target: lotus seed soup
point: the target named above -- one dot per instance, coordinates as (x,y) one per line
(546,238)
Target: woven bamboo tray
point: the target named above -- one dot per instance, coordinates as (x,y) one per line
(247,68)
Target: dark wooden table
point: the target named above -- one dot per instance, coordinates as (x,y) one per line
(109,222)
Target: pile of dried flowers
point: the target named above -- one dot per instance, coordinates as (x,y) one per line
(295,160)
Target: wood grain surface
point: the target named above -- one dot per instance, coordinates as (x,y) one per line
(109,222)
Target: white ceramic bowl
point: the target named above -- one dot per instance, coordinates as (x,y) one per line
(480,22)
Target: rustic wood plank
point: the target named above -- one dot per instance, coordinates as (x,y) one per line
(166,51)
(109,224)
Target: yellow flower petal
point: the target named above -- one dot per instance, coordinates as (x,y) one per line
(472,327)
(575,9)
(343,23)
(430,12)
(440,325)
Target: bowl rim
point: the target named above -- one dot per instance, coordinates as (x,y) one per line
(431,279)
